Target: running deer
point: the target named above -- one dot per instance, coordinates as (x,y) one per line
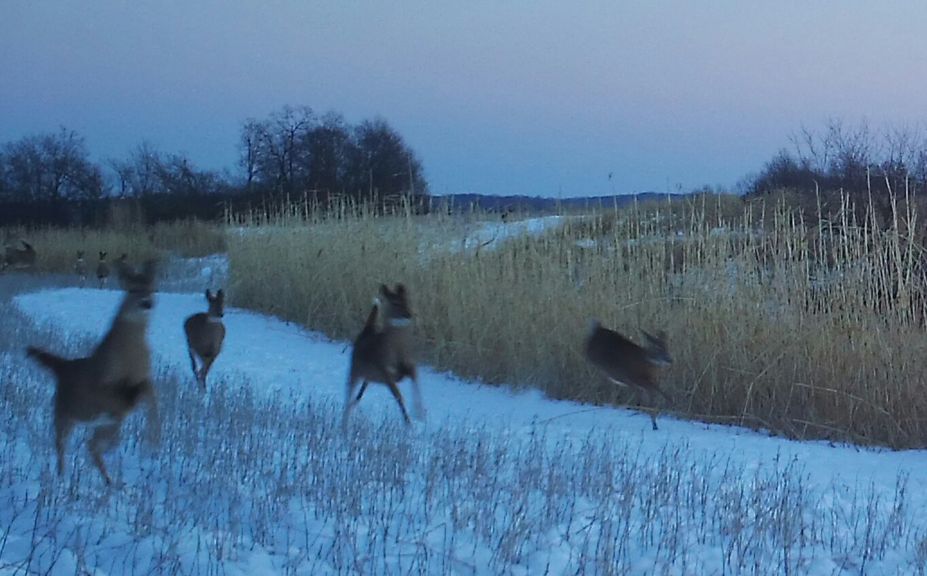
(19,257)
(103,269)
(205,333)
(80,268)
(100,390)
(384,354)
(627,364)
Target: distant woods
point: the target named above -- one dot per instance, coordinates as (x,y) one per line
(293,151)
(295,154)
(50,178)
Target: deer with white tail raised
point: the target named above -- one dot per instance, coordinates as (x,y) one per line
(205,334)
(385,354)
(100,390)
(627,364)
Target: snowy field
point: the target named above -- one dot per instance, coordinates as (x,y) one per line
(255,476)
(490,233)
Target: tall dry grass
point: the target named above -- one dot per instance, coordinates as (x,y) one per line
(56,248)
(810,325)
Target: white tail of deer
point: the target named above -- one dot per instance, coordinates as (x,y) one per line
(19,258)
(103,388)
(80,268)
(102,269)
(385,354)
(627,364)
(205,333)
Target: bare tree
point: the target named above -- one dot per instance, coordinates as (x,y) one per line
(50,167)
(329,147)
(381,163)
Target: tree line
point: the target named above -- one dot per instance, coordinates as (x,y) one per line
(870,166)
(51,179)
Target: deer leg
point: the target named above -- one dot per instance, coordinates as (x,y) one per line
(349,401)
(207,364)
(638,401)
(652,409)
(63,427)
(103,439)
(398,396)
(418,406)
(360,393)
(196,373)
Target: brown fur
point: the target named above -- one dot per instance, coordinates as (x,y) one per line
(21,258)
(627,364)
(103,270)
(385,354)
(205,334)
(80,267)
(104,387)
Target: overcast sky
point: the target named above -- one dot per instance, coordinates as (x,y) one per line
(541,98)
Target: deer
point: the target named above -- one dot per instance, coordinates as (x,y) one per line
(625,363)
(205,333)
(101,389)
(80,268)
(384,354)
(20,258)
(102,269)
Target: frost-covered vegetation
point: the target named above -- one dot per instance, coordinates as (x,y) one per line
(256,476)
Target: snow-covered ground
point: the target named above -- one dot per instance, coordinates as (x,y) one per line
(566,488)
(488,234)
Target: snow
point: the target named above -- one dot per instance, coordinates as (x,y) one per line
(492,233)
(276,360)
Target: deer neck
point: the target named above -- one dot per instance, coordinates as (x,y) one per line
(124,355)
(398,331)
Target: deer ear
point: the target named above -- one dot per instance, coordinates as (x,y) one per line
(384,290)
(400,289)
(220,294)
(208,294)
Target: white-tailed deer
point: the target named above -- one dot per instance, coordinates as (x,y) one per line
(80,268)
(384,354)
(19,258)
(103,269)
(205,333)
(100,390)
(627,364)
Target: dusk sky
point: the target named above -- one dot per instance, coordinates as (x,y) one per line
(538,98)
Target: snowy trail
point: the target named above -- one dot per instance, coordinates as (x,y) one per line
(281,359)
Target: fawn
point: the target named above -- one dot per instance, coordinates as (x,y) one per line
(627,364)
(205,333)
(100,390)
(103,269)
(384,354)
(19,258)
(80,268)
